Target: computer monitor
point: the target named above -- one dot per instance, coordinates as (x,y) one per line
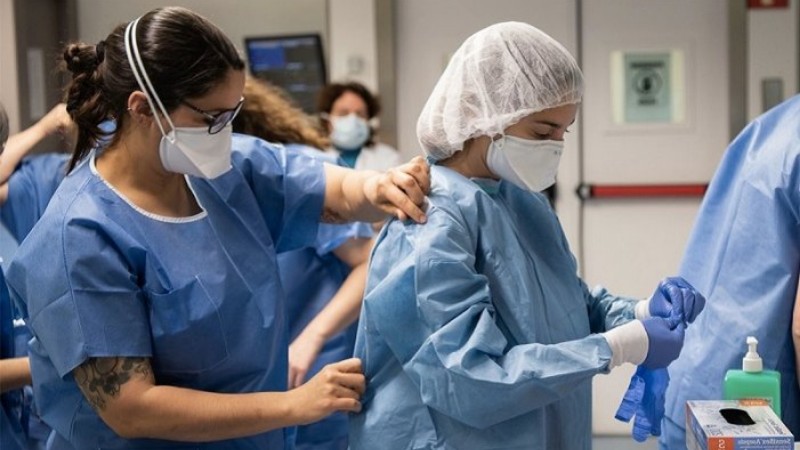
(294,63)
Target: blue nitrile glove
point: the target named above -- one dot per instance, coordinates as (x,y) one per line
(665,340)
(645,399)
(675,291)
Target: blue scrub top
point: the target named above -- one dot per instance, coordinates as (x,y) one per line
(200,296)
(476,331)
(743,256)
(311,277)
(30,189)
(12,433)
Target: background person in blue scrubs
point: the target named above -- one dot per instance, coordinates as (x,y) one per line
(25,190)
(744,254)
(324,283)
(151,283)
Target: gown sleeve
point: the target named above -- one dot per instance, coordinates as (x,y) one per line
(606,310)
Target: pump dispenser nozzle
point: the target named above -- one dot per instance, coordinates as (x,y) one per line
(752,361)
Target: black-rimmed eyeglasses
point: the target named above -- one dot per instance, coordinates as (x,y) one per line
(216,122)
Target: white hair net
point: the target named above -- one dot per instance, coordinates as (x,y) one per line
(498,76)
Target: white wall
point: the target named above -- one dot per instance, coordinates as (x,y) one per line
(8,64)
(772,51)
(353,42)
(240,19)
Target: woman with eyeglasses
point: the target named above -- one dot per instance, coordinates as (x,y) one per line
(150,284)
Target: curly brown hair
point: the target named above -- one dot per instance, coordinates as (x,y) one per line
(268,113)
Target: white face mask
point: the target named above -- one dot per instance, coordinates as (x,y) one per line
(187,150)
(349,132)
(529,164)
(193,151)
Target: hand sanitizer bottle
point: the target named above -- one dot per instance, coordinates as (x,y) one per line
(753,382)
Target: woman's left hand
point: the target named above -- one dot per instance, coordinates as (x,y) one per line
(303,351)
(401,191)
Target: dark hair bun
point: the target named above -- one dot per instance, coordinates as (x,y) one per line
(81,58)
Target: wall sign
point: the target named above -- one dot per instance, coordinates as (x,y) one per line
(647,87)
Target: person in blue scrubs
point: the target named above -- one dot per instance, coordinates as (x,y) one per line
(28,182)
(476,331)
(324,283)
(151,284)
(744,253)
(25,191)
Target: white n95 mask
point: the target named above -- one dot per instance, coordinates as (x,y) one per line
(187,150)
(192,151)
(349,132)
(530,164)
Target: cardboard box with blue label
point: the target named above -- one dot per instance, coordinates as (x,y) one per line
(735,425)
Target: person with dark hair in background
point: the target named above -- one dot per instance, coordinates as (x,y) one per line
(324,283)
(345,111)
(151,284)
(25,191)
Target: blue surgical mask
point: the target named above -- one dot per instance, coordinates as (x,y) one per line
(350,132)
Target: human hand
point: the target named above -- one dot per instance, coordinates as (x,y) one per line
(337,387)
(57,120)
(665,342)
(645,400)
(302,353)
(401,191)
(675,294)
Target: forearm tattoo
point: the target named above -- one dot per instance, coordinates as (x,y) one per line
(100,379)
(331,216)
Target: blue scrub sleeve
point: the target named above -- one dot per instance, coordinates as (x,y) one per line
(436,314)
(90,304)
(30,188)
(331,236)
(289,188)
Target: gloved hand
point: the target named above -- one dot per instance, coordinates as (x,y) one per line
(673,294)
(664,341)
(645,399)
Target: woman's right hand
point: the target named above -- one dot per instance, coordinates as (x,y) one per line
(337,387)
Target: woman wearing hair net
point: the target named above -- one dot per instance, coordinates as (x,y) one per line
(476,331)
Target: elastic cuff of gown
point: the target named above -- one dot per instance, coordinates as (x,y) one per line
(628,343)
(642,310)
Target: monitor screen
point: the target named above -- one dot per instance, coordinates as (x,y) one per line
(294,63)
